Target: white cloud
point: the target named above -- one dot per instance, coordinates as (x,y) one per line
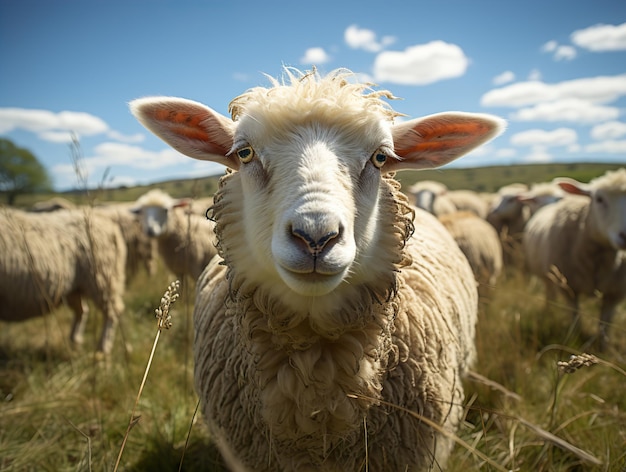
(506,152)
(56,136)
(534,74)
(601,37)
(550,46)
(361,38)
(519,94)
(110,154)
(609,130)
(241,77)
(132,138)
(59,127)
(571,110)
(315,56)
(536,137)
(610,146)
(504,78)
(537,154)
(421,64)
(43,120)
(560,52)
(115,155)
(601,89)
(565,53)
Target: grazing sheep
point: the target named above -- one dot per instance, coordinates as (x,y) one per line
(49,258)
(578,245)
(480,243)
(53,204)
(185,241)
(325,312)
(431,196)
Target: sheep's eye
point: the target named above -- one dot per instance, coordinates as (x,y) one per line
(599,199)
(378,158)
(245,154)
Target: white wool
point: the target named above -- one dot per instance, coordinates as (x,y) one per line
(578,245)
(325,306)
(49,258)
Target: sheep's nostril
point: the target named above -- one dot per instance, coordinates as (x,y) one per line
(315,246)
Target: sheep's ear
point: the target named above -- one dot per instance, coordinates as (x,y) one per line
(573,186)
(189,127)
(181,203)
(435,140)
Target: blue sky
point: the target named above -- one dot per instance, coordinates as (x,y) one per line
(556,70)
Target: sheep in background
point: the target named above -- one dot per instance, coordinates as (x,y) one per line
(509,216)
(49,258)
(480,243)
(430,195)
(141,249)
(468,200)
(185,241)
(540,195)
(324,310)
(53,204)
(578,245)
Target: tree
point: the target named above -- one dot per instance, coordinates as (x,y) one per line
(20,172)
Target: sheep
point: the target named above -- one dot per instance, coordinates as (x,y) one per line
(480,243)
(509,216)
(431,196)
(322,311)
(578,245)
(53,204)
(539,195)
(49,258)
(141,249)
(467,200)
(185,241)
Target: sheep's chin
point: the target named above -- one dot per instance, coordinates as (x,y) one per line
(310,285)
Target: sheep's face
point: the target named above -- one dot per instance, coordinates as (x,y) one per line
(507,206)
(303,208)
(153,219)
(608,209)
(425,199)
(310,199)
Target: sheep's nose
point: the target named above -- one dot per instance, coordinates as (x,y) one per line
(315,231)
(315,246)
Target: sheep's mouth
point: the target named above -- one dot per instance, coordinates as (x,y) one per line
(311,283)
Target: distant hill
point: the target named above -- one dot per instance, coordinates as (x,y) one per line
(481,179)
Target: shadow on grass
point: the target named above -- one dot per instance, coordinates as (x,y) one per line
(162,456)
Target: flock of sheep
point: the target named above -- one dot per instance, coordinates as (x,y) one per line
(335,314)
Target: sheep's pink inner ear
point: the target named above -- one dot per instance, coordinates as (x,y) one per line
(444,141)
(189,127)
(439,139)
(574,189)
(186,125)
(183,202)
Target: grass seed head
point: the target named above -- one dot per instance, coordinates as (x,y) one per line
(170,296)
(576,362)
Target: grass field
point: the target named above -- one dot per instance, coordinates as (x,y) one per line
(65,410)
